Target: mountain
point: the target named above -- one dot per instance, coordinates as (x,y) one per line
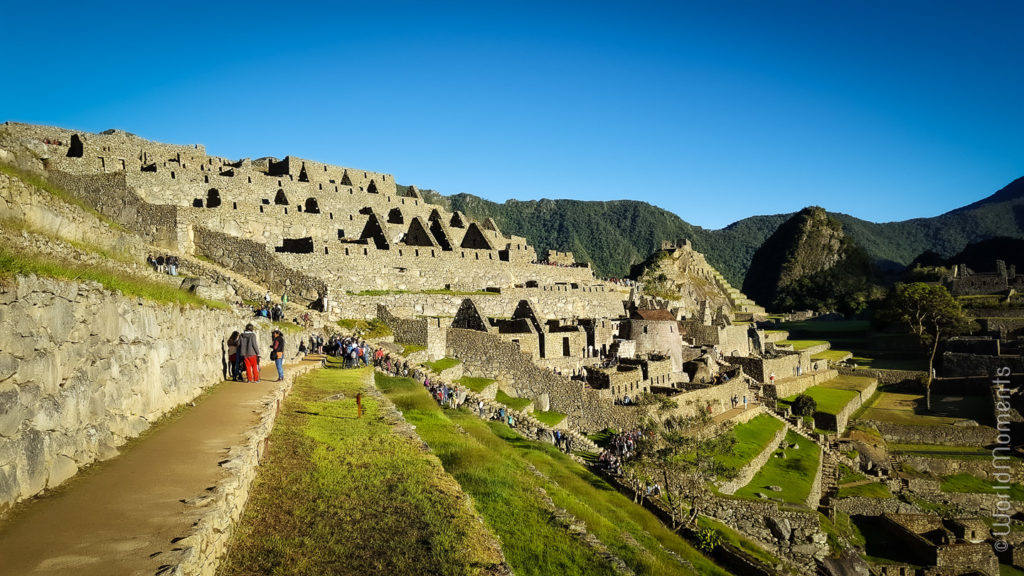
(810,263)
(616,235)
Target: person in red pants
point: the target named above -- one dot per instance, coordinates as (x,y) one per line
(249,350)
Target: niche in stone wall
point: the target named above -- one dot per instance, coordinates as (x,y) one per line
(345,180)
(280,199)
(341,233)
(296,245)
(197,202)
(475,239)
(440,235)
(312,207)
(212,198)
(148,167)
(395,216)
(303,177)
(372,188)
(417,234)
(76,149)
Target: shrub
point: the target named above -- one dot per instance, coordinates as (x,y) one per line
(804,405)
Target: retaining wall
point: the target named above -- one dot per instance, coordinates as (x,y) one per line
(746,474)
(84,369)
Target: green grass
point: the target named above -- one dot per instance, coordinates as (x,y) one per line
(800,344)
(551,417)
(1007,570)
(831,355)
(412,348)
(975,485)
(830,400)
(909,408)
(868,490)
(752,438)
(365,328)
(511,402)
(341,495)
(939,451)
(495,466)
(288,327)
(13,264)
(443,364)
(475,384)
(793,474)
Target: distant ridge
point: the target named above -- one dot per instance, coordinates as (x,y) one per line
(617,234)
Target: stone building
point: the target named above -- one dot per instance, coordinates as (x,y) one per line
(947,547)
(654,332)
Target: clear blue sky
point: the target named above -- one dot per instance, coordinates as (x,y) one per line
(713,110)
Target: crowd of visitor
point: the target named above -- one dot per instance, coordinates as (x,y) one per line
(164,264)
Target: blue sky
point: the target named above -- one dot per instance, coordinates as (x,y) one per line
(713,110)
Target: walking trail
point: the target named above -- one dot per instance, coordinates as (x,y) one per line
(121,516)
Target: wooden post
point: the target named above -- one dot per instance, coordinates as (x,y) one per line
(359,405)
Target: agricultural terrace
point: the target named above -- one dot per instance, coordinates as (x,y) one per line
(868,349)
(752,438)
(793,474)
(511,479)
(909,408)
(834,395)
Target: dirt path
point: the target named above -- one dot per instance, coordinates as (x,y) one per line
(122,515)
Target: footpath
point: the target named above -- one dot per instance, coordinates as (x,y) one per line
(129,514)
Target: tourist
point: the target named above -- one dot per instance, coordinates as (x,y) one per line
(771,378)
(266,298)
(172,265)
(233,371)
(744,401)
(277,353)
(160,263)
(249,351)
(151,261)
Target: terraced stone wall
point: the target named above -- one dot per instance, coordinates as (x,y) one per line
(84,369)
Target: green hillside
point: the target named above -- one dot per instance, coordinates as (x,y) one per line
(615,235)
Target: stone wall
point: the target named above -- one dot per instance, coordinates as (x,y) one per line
(487,355)
(783,365)
(788,533)
(83,369)
(884,377)
(550,302)
(965,365)
(252,260)
(746,474)
(717,396)
(861,506)
(980,467)
(942,435)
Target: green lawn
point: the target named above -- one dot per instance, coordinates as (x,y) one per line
(844,382)
(738,540)
(752,437)
(793,474)
(550,417)
(411,348)
(869,490)
(513,403)
(337,494)
(830,400)
(904,408)
(475,384)
(831,355)
(801,344)
(443,364)
(975,485)
(365,328)
(493,464)
(143,286)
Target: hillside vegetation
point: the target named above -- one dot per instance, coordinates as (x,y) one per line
(615,235)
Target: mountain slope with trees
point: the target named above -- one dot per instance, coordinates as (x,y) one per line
(616,235)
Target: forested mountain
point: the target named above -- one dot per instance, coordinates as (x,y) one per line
(615,235)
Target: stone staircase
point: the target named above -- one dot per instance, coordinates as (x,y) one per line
(737,299)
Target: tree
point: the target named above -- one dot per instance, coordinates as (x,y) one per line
(930,312)
(804,405)
(681,454)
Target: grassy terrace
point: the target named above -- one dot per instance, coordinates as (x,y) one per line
(474,384)
(496,467)
(550,417)
(884,351)
(793,474)
(442,364)
(975,485)
(901,408)
(801,344)
(513,403)
(831,355)
(366,328)
(752,437)
(341,495)
(860,486)
(14,263)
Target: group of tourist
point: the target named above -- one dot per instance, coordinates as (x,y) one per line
(620,447)
(244,354)
(736,401)
(164,264)
(275,312)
